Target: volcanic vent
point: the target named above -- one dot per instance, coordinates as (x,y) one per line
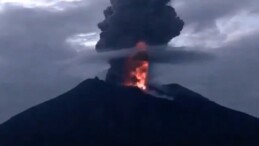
(136,24)
(137,68)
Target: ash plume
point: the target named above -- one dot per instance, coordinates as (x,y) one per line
(130,21)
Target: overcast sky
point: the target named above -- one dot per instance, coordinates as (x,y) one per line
(42,44)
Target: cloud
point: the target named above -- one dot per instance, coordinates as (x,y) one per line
(213,23)
(205,13)
(53,5)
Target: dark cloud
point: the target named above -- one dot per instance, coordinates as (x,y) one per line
(128,22)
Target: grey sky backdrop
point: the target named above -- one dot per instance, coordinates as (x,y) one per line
(44,46)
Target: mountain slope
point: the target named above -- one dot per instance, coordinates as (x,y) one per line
(96,113)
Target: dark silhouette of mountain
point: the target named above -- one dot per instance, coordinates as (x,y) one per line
(97,113)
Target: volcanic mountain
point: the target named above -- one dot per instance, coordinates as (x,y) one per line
(97,113)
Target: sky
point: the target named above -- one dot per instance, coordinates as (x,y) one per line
(45,46)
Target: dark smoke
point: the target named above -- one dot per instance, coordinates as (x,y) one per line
(130,21)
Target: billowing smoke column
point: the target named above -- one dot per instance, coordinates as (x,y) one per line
(128,22)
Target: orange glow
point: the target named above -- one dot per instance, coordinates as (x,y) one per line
(142,46)
(137,68)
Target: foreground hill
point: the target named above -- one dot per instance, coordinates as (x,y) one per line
(96,113)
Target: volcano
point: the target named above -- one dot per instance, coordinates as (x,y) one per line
(97,113)
(125,109)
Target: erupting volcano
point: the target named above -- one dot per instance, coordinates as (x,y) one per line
(109,113)
(137,67)
(136,24)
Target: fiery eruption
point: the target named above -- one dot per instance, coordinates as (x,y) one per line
(130,23)
(137,67)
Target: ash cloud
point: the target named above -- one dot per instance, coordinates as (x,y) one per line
(130,21)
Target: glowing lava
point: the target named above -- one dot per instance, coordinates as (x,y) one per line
(137,68)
